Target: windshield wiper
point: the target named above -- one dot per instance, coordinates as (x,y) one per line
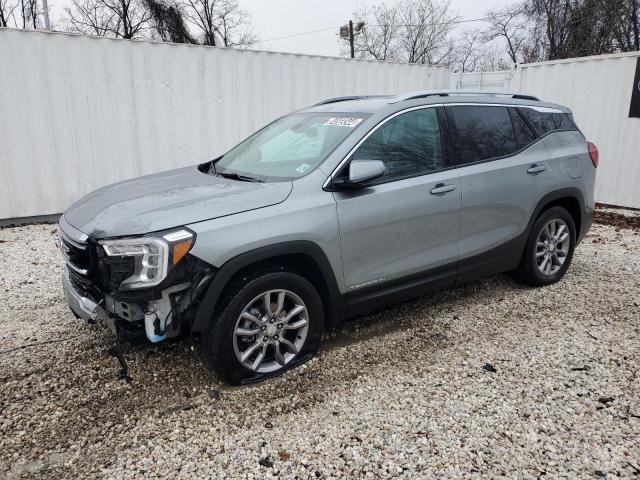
(237,176)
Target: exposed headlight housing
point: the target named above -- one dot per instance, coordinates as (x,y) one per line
(153,256)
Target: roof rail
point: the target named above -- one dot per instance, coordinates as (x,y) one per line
(347,98)
(447,93)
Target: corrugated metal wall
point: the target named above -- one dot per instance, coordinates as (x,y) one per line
(598,90)
(78,112)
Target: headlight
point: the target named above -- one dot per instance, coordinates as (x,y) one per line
(153,256)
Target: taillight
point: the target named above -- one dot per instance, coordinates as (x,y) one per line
(593,153)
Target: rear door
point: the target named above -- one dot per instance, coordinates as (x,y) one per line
(504,172)
(406,222)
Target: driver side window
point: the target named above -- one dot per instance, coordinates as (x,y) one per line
(408,144)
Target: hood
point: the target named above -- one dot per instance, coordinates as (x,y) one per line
(166,200)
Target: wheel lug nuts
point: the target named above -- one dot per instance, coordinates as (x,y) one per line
(263,328)
(271,321)
(279,325)
(276,337)
(265,338)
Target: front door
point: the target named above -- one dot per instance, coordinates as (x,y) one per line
(407,221)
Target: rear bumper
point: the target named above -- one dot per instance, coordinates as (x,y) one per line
(586,221)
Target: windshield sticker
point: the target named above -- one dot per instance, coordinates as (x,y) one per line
(303,168)
(343,121)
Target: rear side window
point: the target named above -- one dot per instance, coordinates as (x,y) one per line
(408,144)
(545,122)
(524,134)
(480,133)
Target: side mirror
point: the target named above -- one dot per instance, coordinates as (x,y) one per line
(361,171)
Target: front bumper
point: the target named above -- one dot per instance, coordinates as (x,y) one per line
(90,285)
(83,307)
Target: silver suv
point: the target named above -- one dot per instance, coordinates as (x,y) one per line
(328,212)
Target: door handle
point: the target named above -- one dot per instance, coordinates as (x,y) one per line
(442,188)
(534,169)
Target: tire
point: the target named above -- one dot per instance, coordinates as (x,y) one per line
(531,270)
(229,337)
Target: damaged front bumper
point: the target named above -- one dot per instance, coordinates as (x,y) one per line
(90,283)
(83,307)
(157,319)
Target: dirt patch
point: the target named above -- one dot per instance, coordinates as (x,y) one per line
(616,219)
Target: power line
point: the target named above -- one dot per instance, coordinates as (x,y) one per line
(297,34)
(373,25)
(454,22)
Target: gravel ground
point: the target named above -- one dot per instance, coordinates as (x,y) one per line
(484,381)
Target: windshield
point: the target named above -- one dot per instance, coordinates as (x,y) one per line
(288,148)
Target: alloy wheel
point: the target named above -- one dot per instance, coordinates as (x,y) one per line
(552,246)
(270,331)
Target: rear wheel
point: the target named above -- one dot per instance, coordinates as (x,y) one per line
(549,248)
(269,324)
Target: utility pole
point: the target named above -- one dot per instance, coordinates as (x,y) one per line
(45,12)
(350,37)
(347,32)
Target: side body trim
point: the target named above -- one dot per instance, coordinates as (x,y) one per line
(399,290)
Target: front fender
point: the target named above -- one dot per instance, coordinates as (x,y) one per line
(207,309)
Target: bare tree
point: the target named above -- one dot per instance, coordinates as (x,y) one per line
(118,18)
(553,16)
(509,24)
(203,15)
(89,17)
(425,26)
(415,31)
(623,19)
(167,23)
(379,40)
(234,26)
(6,12)
(492,59)
(217,22)
(575,28)
(23,14)
(220,22)
(29,13)
(468,51)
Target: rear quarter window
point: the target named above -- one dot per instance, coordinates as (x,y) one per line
(545,122)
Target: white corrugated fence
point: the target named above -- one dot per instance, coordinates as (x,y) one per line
(77,113)
(598,91)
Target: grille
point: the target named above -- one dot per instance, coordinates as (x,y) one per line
(83,285)
(90,268)
(76,255)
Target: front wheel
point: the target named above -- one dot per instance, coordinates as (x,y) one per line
(549,248)
(269,324)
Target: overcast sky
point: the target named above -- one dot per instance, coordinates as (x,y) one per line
(277,18)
